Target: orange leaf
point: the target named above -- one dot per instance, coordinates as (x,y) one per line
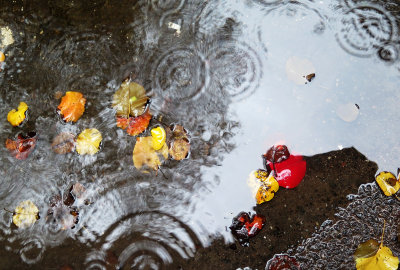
(134,125)
(22,146)
(72,106)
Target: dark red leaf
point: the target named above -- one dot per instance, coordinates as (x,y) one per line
(277,153)
(282,262)
(244,227)
(289,172)
(22,146)
(134,125)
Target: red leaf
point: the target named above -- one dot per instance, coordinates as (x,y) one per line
(277,153)
(22,146)
(244,227)
(282,262)
(134,125)
(289,172)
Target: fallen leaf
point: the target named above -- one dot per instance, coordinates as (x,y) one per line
(64,215)
(282,262)
(76,195)
(72,106)
(63,143)
(134,125)
(145,155)
(88,142)
(16,117)
(22,146)
(179,145)
(289,171)
(371,255)
(2,57)
(130,100)
(277,153)
(159,136)
(263,185)
(388,183)
(244,227)
(25,214)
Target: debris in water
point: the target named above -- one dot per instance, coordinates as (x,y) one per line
(144,154)
(299,70)
(22,146)
(72,106)
(16,117)
(176,27)
(245,227)
(263,185)
(88,142)
(282,262)
(25,214)
(64,143)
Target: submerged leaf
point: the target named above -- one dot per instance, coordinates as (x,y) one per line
(134,125)
(179,145)
(25,214)
(388,183)
(144,153)
(130,100)
(64,215)
(16,117)
(22,146)
(88,142)
(63,143)
(72,106)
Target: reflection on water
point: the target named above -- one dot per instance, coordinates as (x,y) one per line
(223,78)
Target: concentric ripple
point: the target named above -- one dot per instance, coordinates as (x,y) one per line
(146,240)
(236,69)
(365,30)
(32,250)
(180,74)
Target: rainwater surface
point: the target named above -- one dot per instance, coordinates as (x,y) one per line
(230,72)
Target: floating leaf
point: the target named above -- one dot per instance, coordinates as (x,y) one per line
(244,227)
(2,57)
(64,215)
(88,142)
(130,100)
(159,136)
(282,262)
(370,255)
(179,146)
(16,117)
(289,171)
(263,185)
(134,125)
(72,106)
(63,143)
(299,70)
(388,183)
(25,214)
(22,146)
(145,155)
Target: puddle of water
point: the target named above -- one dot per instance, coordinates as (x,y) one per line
(223,77)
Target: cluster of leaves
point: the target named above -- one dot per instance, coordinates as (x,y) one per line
(245,226)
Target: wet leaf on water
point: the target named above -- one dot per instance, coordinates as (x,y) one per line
(25,214)
(179,144)
(263,185)
(88,142)
(72,106)
(16,117)
(282,262)
(134,125)
(63,143)
(22,146)
(159,136)
(2,57)
(64,215)
(371,255)
(144,154)
(388,183)
(244,227)
(289,171)
(299,70)
(76,195)
(130,100)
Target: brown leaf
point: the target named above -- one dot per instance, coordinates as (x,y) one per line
(179,149)
(63,143)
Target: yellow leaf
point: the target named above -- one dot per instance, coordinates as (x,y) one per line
(382,260)
(26,213)
(144,153)
(158,134)
(88,142)
(16,117)
(72,106)
(262,185)
(130,100)
(388,183)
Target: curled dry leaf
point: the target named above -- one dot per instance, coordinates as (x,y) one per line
(144,153)
(179,145)
(134,125)
(63,143)
(88,142)
(244,227)
(22,146)
(388,183)
(25,214)
(130,100)
(16,117)
(72,106)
